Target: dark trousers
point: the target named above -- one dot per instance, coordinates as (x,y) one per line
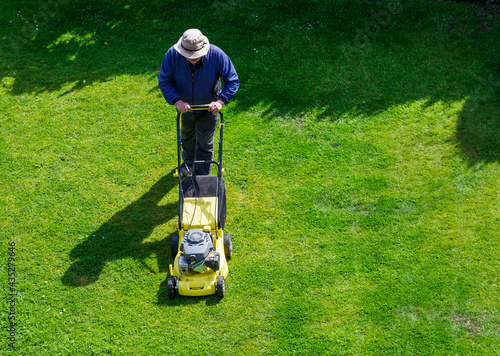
(197,135)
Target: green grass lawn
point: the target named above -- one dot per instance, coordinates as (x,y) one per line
(362,158)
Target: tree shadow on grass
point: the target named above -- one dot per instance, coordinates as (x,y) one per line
(330,58)
(74,44)
(122,237)
(478,126)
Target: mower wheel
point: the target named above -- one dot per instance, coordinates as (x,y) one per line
(221,287)
(171,288)
(174,245)
(228,246)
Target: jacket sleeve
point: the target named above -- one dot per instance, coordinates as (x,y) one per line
(165,79)
(230,77)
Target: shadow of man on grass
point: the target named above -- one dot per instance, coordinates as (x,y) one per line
(122,236)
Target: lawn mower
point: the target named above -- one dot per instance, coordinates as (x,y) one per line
(200,250)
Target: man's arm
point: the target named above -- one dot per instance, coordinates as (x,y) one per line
(231,83)
(165,79)
(230,77)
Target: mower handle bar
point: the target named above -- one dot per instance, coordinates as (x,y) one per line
(218,164)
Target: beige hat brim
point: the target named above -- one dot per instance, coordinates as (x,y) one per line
(192,54)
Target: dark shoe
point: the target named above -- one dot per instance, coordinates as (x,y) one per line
(186,170)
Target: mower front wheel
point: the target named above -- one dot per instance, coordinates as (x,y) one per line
(220,287)
(228,246)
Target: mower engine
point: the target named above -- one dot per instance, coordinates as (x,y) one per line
(197,252)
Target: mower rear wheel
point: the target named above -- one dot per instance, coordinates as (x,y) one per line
(228,246)
(171,288)
(220,287)
(174,245)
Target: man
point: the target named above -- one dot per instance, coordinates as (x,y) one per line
(190,74)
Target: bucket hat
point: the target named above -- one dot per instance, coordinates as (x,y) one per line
(192,44)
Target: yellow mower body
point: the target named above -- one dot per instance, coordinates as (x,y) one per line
(200,213)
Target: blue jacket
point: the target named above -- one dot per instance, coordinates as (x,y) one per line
(200,84)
